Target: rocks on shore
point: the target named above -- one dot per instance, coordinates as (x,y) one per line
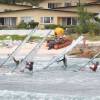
(87,52)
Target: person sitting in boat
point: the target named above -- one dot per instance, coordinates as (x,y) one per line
(95,66)
(51,44)
(64,60)
(58,33)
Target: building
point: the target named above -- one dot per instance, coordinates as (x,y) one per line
(11,7)
(90,7)
(61,14)
(43,16)
(62,3)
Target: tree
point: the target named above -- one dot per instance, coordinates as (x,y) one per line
(86,23)
(83,19)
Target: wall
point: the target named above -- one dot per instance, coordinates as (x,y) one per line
(37,14)
(90,8)
(4,7)
(44,3)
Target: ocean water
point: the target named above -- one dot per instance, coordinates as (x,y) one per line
(52,84)
(15,95)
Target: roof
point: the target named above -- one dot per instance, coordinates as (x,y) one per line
(38,9)
(88,4)
(16,5)
(75,12)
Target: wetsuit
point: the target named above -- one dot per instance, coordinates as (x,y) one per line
(29,66)
(95,67)
(16,61)
(64,61)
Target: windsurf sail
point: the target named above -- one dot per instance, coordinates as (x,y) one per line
(19,47)
(30,56)
(67,49)
(92,59)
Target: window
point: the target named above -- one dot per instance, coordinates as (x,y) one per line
(67,4)
(69,21)
(54,5)
(50,5)
(74,3)
(10,21)
(47,19)
(27,19)
(64,21)
(74,20)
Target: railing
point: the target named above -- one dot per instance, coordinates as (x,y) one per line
(7,27)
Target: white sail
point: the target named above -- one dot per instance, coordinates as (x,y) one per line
(30,56)
(92,59)
(19,47)
(66,50)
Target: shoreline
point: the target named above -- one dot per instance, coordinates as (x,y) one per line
(44,50)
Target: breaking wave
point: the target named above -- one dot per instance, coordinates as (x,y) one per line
(16,95)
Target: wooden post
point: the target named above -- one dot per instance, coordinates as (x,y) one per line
(84,41)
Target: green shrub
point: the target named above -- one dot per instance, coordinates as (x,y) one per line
(84,23)
(70,30)
(32,24)
(52,26)
(29,25)
(94,28)
(22,25)
(97,29)
(80,29)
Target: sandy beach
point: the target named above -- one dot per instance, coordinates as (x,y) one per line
(25,49)
(43,50)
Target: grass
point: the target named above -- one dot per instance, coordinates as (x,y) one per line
(89,37)
(36,38)
(94,38)
(19,37)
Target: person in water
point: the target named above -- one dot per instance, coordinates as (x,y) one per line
(64,60)
(16,61)
(95,66)
(29,66)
